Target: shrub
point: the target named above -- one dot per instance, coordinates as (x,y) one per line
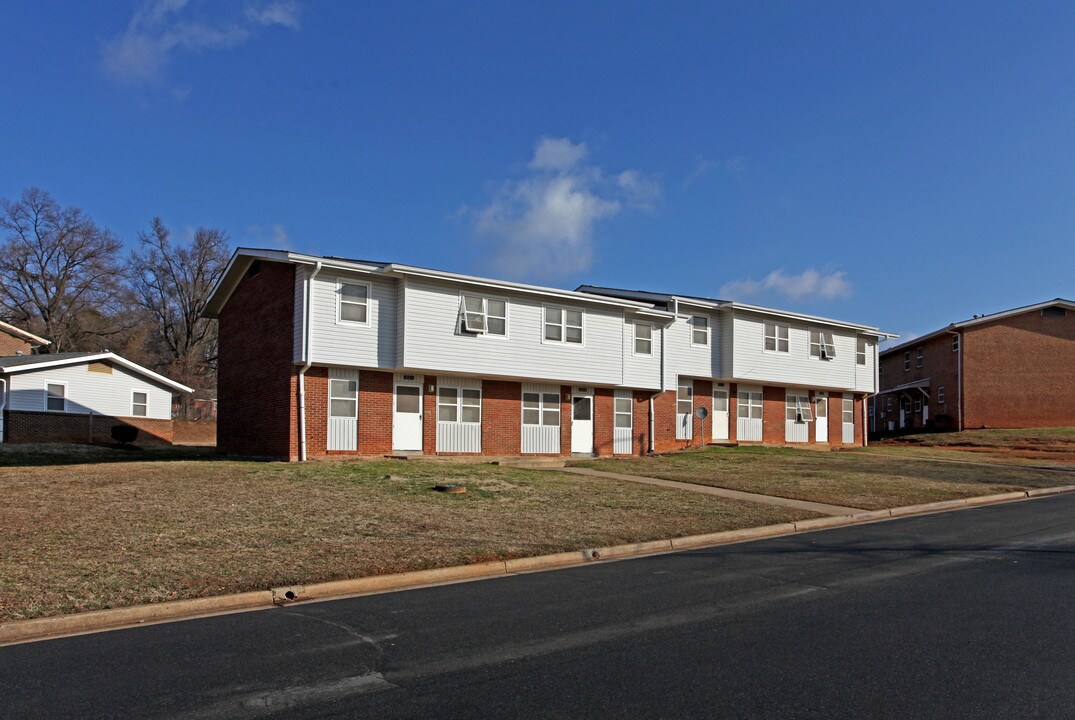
(124,434)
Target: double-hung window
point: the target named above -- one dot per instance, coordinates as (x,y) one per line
(822,345)
(699,330)
(776,337)
(940,395)
(955,343)
(56,397)
(920,357)
(623,412)
(484,315)
(907,361)
(798,409)
(353,300)
(139,403)
(685,397)
(643,338)
(748,405)
(541,409)
(342,398)
(860,351)
(563,325)
(463,405)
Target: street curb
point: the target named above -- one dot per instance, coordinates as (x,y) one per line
(21,631)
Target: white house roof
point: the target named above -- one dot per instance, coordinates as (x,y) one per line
(19,332)
(244,256)
(32,363)
(1056,302)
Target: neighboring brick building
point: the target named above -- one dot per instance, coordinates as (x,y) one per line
(1011,369)
(322,355)
(16,341)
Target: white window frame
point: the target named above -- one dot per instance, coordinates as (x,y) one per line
(920,357)
(746,402)
(692,321)
(544,406)
(780,337)
(955,343)
(464,314)
(918,405)
(845,413)
(940,395)
(348,397)
(564,310)
(907,361)
(616,413)
(638,339)
(824,343)
(134,404)
(860,351)
(799,407)
(62,383)
(340,302)
(689,385)
(459,404)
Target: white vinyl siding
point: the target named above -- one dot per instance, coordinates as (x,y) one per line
(749,406)
(89,392)
(342,409)
(459,414)
(541,418)
(623,423)
(432,343)
(371,344)
(641,371)
(684,357)
(685,410)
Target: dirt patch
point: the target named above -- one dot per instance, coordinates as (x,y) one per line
(194,432)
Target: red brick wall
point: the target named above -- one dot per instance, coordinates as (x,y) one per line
(12,345)
(565,419)
(836,426)
(703,398)
(733,412)
(256,378)
(1019,372)
(375,412)
(774,406)
(640,422)
(501,417)
(429,415)
(35,427)
(603,421)
(316,412)
(664,423)
(939,366)
(860,438)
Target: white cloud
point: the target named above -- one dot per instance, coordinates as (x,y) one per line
(273,236)
(543,224)
(810,284)
(159,29)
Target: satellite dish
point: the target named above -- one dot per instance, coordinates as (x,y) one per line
(701,413)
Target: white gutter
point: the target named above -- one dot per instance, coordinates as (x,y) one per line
(307,338)
(959,379)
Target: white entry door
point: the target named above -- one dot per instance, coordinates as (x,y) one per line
(582,421)
(821,417)
(407,418)
(720,414)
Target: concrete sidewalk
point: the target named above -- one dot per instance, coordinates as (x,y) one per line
(823,508)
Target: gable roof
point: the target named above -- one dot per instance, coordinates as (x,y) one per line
(20,333)
(978,320)
(31,363)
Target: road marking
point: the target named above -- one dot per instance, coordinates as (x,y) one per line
(268,702)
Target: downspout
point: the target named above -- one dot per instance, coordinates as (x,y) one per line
(3,406)
(959,379)
(307,338)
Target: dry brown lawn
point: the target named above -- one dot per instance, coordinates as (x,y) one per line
(91,528)
(1034,447)
(855,479)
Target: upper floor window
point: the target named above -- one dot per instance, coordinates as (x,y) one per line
(822,345)
(563,325)
(485,316)
(955,343)
(919,358)
(776,337)
(353,301)
(907,361)
(860,351)
(139,403)
(699,330)
(56,397)
(643,339)
(940,395)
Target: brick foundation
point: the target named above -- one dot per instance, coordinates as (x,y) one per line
(37,427)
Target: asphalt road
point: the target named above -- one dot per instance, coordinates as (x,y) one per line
(968,614)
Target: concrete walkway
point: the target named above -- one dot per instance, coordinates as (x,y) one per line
(817,507)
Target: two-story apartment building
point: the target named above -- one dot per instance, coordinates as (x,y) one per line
(324,355)
(1010,369)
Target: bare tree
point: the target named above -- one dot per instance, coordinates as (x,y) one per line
(171,284)
(59,272)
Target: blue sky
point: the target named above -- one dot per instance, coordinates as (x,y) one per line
(900,164)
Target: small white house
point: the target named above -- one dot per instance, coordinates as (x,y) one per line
(81,396)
